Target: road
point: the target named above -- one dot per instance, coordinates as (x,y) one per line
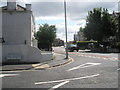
(88,70)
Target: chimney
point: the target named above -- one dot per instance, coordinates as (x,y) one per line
(28,7)
(11,4)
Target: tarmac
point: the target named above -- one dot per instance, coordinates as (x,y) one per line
(59,60)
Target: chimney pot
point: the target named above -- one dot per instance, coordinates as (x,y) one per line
(28,7)
(11,4)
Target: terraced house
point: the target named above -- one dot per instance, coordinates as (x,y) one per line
(18,28)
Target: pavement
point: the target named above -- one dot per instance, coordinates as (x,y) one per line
(58,61)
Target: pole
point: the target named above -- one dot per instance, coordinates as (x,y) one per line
(118,36)
(66,29)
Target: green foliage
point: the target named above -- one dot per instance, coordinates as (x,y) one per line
(108,24)
(46,36)
(99,25)
(81,29)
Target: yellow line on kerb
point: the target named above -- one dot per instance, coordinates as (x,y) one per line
(36,66)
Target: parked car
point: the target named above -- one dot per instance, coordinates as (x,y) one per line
(72,47)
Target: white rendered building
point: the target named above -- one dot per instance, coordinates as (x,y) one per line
(18,41)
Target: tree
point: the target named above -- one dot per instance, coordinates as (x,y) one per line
(81,29)
(46,36)
(108,25)
(100,25)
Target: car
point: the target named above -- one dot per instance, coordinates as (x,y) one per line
(72,47)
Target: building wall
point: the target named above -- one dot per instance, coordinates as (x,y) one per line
(33,40)
(16,27)
(79,36)
(76,37)
(25,52)
(58,42)
(18,33)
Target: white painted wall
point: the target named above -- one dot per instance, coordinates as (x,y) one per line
(33,40)
(46,56)
(27,53)
(16,27)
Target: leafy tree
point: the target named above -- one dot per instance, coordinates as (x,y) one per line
(46,36)
(108,24)
(100,25)
(81,29)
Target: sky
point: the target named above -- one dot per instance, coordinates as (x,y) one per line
(52,13)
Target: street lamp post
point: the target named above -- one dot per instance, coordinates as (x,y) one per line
(66,29)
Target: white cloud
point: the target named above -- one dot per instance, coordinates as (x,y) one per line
(76,14)
(24,1)
(67,0)
(71,30)
(75,10)
(37,27)
(47,8)
(81,23)
(51,18)
(63,37)
(53,11)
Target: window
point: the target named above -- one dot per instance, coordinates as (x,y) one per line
(2,40)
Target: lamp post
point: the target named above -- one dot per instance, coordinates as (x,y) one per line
(118,21)
(66,29)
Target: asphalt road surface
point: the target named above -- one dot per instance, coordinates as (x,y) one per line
(88,70)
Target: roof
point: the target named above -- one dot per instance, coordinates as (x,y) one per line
(18,8)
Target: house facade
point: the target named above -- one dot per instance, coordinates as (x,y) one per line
(79,36)
(58,42)
(18,28)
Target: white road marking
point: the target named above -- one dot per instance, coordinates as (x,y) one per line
(61,84)
(48,82)
(112,59)
(18,71)
(99,57)
(90,56)
(12,71)
(116,59)
(85,56)
(105,58)
(84,66)
(94,57)
(81,55)
(6,75)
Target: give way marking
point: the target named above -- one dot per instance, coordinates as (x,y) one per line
(61,84)
(84,66)
(6,75)
(64,81)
